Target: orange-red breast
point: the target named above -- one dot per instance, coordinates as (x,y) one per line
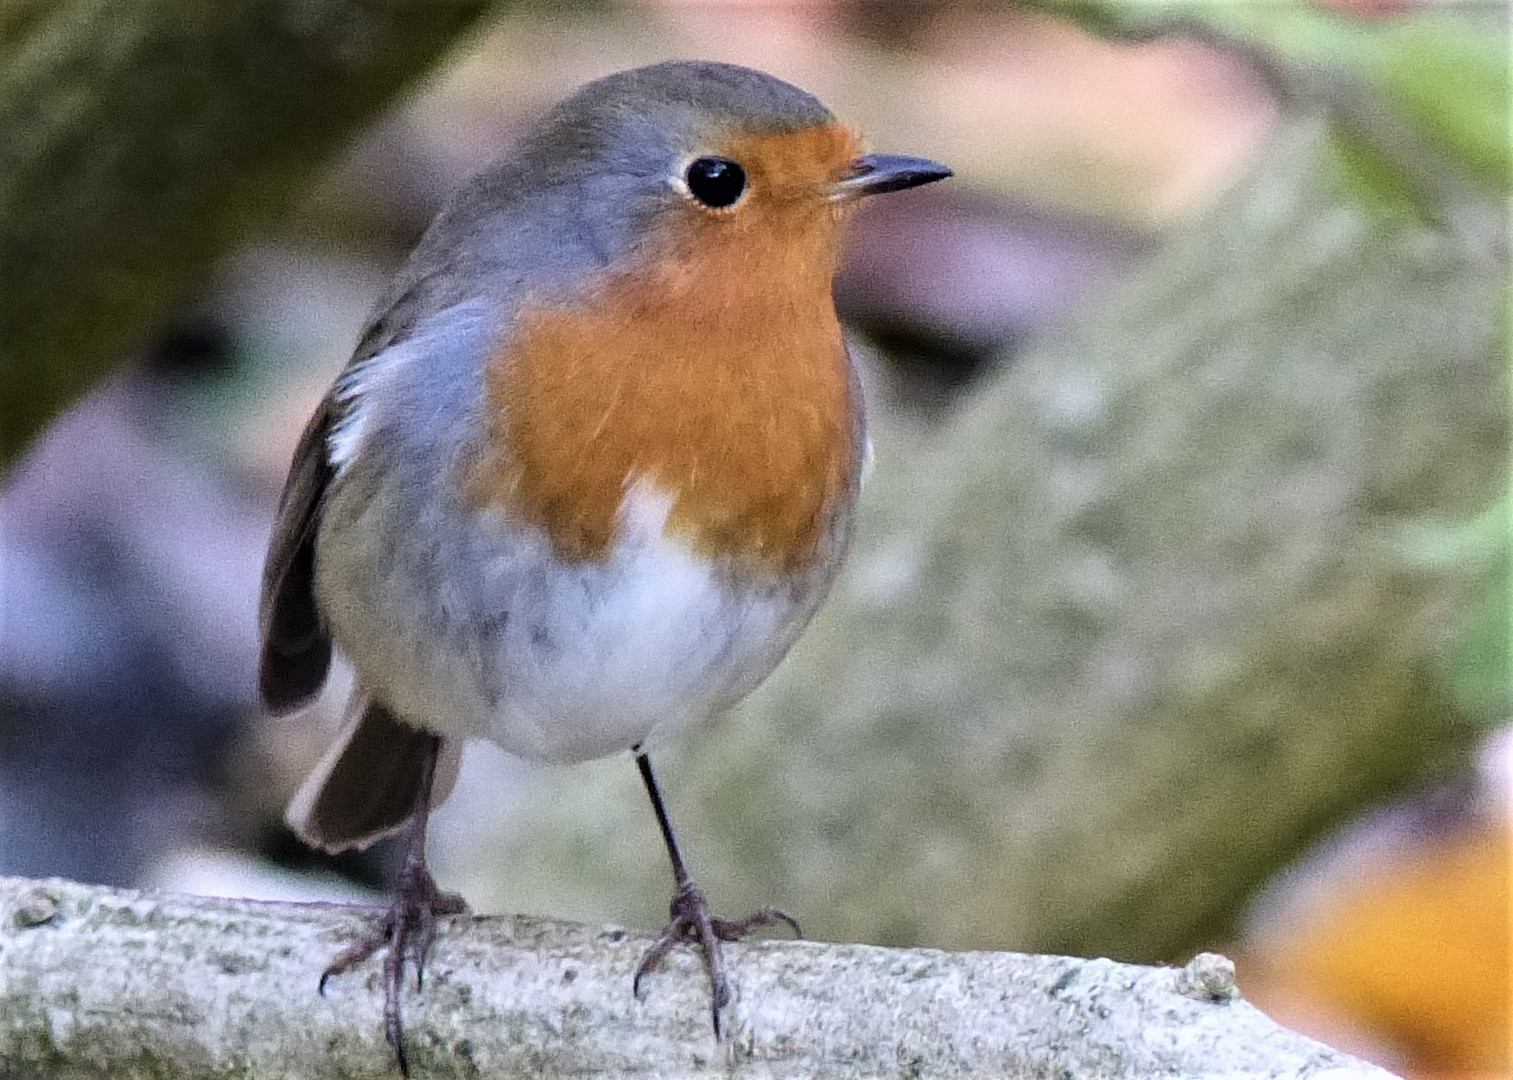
(591,468)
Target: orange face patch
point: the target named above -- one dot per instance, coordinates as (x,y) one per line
(795,165)
(714,370)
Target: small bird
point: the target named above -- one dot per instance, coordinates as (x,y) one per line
(589,472)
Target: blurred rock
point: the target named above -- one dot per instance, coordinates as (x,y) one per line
(941,282)
(126,622)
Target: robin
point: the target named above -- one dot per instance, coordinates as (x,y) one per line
(589,472)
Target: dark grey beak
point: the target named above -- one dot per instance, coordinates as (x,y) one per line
(877,173)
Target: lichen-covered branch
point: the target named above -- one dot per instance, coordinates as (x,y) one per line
(141,138)
(98,982)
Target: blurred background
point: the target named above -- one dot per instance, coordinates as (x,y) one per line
(1178,617)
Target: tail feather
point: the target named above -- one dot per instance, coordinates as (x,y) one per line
(368,784)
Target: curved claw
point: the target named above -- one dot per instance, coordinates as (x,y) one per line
(691,922)
(406,930)
(736,929)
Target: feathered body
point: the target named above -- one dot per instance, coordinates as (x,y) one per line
(593,465)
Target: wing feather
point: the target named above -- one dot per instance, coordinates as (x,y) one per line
(296,649)
(296,646)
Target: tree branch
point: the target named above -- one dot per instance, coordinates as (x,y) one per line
(143,138)
(105,982)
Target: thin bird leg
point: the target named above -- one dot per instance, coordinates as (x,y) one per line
(690,919)
(407,929)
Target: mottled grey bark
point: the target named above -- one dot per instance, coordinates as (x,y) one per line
(104,983)
(140,139)
(1127,632)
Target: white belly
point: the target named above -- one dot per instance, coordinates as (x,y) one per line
(644,644)
(552,661)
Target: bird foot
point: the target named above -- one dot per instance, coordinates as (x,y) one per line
(692,922)
(406,930)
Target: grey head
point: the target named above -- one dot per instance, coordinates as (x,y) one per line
(637,123)
(597,168)
(583,187)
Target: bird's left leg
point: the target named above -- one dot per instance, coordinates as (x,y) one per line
(690,918)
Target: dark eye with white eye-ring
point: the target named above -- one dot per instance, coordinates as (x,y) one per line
(715,181)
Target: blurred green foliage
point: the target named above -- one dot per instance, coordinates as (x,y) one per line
(1442,73)
(1449,76)
(1477,663)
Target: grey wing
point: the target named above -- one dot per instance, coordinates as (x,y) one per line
(296,648)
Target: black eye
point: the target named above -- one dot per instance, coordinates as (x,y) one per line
(716,181)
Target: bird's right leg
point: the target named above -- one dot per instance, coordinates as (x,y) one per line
(407,929)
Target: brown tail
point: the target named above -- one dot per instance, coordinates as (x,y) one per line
(368,784)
